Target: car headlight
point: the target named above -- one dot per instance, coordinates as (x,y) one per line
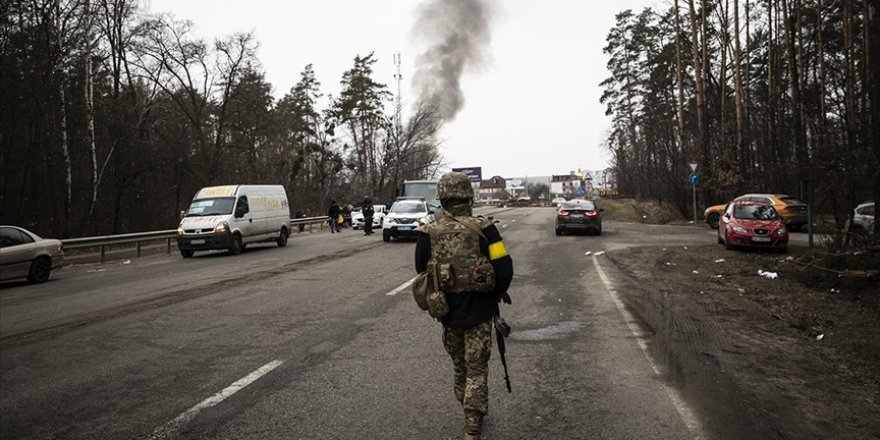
(221,228)
(423,220)
(179,231)
(739,229)
(389,220)
(781,231)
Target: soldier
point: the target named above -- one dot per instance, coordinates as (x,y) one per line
(473,270)
(368,211)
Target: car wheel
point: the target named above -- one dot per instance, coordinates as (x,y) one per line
(558,231)
(40,270)
(727,244)
(386,237)
(282,238)
(599,231)
(712,220)
(236,247)
(187,253)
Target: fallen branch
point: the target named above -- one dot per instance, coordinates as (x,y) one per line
(841,273)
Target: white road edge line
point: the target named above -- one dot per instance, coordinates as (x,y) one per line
(174,426)
(687,416)
(400,287)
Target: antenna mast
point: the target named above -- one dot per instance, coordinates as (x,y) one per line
(398,77)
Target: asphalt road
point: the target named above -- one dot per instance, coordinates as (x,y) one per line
(322,340)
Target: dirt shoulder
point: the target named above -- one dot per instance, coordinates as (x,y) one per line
(797,345)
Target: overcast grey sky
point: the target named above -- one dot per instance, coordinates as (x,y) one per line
(530,108)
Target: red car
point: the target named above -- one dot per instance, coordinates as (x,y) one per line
(754,225)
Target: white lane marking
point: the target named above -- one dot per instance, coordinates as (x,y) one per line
(687,416)
(400,287)
(171,428)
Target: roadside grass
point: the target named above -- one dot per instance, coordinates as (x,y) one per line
(640,211)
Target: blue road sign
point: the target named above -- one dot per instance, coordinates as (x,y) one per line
(694,178)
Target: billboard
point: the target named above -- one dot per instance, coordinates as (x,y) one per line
(475,174)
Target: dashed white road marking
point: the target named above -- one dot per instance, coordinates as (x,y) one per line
(171,428)
(399,288)
(687,416)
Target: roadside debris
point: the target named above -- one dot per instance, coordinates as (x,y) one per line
(771,275)
(720,260)
(587,253)
(820,337)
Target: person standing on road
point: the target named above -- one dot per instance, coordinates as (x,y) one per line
(333,212)
(472,268)
(368,211)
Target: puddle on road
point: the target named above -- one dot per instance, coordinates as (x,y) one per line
(555,331)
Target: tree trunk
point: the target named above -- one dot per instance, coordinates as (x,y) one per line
(793,87)
(738,92)
(722,151)
(679,77)
(873,48)
(850,115)
(89,95)
(700,89)
(61,76)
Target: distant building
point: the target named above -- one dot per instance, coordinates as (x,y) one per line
(492,189)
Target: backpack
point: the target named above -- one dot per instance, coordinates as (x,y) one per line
(457,264)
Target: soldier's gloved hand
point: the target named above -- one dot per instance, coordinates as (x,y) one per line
(504,297)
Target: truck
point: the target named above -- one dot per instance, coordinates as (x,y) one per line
(425,189)
(232,216)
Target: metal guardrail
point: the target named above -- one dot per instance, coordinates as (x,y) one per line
(139,238)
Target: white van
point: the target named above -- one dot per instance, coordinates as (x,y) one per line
(231,216)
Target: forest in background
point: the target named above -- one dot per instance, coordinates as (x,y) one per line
(762,94)
(113,118)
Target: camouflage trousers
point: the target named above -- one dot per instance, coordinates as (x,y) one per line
(470,349)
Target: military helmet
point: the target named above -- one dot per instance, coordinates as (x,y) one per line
(454,186)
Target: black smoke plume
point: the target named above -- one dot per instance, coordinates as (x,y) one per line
(457,33)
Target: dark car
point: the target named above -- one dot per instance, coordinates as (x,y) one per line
(24,254)
(753,225)
(578,215)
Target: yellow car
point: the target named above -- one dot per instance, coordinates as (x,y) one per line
(792,210)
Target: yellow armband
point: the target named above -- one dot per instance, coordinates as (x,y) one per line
(497,250)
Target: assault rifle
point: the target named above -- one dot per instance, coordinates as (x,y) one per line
(502,330)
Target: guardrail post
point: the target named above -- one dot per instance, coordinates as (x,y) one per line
(168,247)
(103,252)
(137,246)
